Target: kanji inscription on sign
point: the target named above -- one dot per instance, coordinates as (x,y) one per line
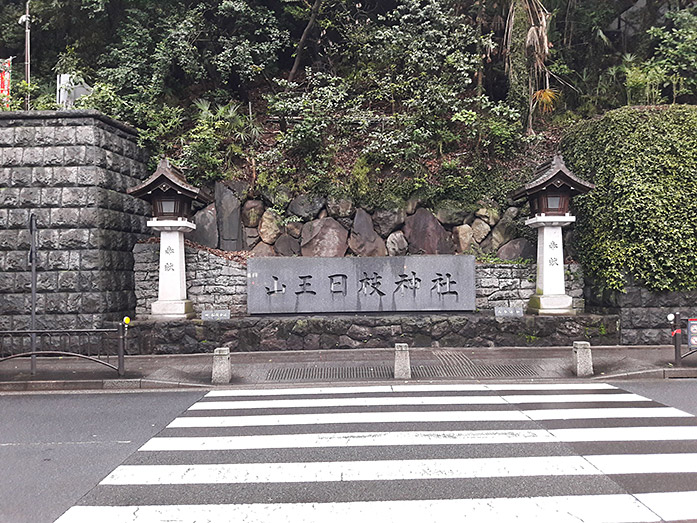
(379,284)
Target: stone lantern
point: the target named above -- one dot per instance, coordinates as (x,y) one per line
(172,199)
(549,195)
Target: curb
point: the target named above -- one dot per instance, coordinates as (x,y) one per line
(151,384)
(116,384)
(669,373)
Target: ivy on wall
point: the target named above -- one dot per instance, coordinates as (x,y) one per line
(640,222)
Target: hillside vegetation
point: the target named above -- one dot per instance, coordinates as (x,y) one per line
(382,101)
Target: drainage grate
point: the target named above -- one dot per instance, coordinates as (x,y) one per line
(473,371)
(449,357)
(328,373)
(456,364)
(470,370)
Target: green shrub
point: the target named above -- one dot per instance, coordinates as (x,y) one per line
(640,222)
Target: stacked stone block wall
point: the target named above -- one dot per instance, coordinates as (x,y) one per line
(643,313)
(348,331)
(213,282)
(71,170)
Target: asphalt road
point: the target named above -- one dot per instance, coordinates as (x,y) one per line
(56,448)
(678,393)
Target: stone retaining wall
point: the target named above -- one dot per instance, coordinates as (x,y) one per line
(479,329)
(71,170)
(213,282)
(218,281)
(279,225)
(642,313)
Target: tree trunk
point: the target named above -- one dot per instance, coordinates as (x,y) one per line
(303,40)
(480,48)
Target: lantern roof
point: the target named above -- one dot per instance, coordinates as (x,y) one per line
(554,174)
(168,178)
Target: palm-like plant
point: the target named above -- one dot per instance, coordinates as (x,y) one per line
(535,47)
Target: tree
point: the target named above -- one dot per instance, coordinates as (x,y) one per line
(676,50)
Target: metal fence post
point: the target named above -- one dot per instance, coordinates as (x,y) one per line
(32,262)
(677,339)
(122,348)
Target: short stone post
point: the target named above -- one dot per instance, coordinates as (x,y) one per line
(583,361)
(222,372)
(402,365)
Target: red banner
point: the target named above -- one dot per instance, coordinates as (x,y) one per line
(5,72)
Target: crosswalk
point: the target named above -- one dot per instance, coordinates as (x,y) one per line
(409,453)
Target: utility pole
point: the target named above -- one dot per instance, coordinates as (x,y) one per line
(26,20)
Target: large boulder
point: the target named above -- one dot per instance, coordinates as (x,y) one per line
(270,226)
(295,229)
(412,204)
(286,245)
(387,220)
(280,196)
(306,207)
(396,244)
(463,236)
(504,230)
(340,207)
(519,248)
(364,241)
(206,232)
(488,214)
(251,237)
(263,249)
(325,237)
(450,213)
(426,235)
(252,211)
(480,230)
(228,216)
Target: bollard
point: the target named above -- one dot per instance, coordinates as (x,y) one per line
(583,361)
(222,373)
(402,365)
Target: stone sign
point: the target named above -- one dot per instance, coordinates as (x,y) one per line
(508,312)
(215,314)
(370,284)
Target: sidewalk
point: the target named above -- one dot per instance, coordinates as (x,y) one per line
(344,366)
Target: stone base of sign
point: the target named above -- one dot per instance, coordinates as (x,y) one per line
(583,361)
(551,305)
(349,331)
(172,309)
(402,363)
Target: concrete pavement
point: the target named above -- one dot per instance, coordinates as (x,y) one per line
(345,366)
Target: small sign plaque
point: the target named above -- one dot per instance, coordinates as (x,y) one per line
(216,314)
(692,333)
(508,312)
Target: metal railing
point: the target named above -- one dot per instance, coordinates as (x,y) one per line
(82,343)
(89,344)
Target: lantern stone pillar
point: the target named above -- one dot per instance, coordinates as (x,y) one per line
(550,297)
(172,198)
(171,295)
(549,195)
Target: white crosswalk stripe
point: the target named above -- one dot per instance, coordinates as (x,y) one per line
(401,453)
